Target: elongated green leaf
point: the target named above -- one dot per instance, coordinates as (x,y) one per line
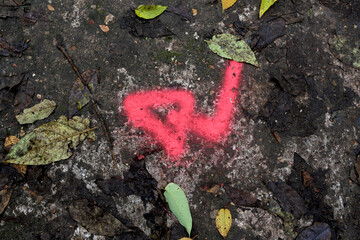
(50,142)
(37,112)
(227,46)
(149,11)
(265,5)
(179,205)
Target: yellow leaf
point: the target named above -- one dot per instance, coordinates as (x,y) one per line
(223,221)
(265,5)
(10,141)
(186,238)
(227,3)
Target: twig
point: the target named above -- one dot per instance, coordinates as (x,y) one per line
(62,48)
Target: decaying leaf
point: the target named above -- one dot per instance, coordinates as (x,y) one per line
(346,50)
(31,17)
(319,230)
(223,221)
(8,87)
(154,28)
(227,3)
(37,112)
(80,95)
(265,5)
(214,189)
(180,8)
(355,172)
(50,142)
(267,33)
(10,141)
(289,200)
(24,94)
(20,168)
(307,179)
(12,49)
(5,196)
(227,46)
(149,11)
(10,11)
(185,238)
(179,205)
(241,197)
(96,220)
(10,82)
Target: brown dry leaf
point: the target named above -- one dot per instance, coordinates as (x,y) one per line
(355,172)
(20,168)
(5,196)
(307,179)
(50,8)
(10,141)
(214,189)
(104,28)
(227,3)
(277,137)
(22,133)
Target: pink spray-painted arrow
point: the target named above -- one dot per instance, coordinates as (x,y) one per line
(171,132)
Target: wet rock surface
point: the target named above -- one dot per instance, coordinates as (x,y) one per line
(288,169)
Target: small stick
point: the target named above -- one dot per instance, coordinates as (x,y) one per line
(61,47)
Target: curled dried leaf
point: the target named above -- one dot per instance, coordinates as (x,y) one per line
(11,141)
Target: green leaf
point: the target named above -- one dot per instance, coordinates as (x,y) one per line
(265,5)
(80,95)
(227,46)
(50,142)
(179,205)
(149,11)
(37,112)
